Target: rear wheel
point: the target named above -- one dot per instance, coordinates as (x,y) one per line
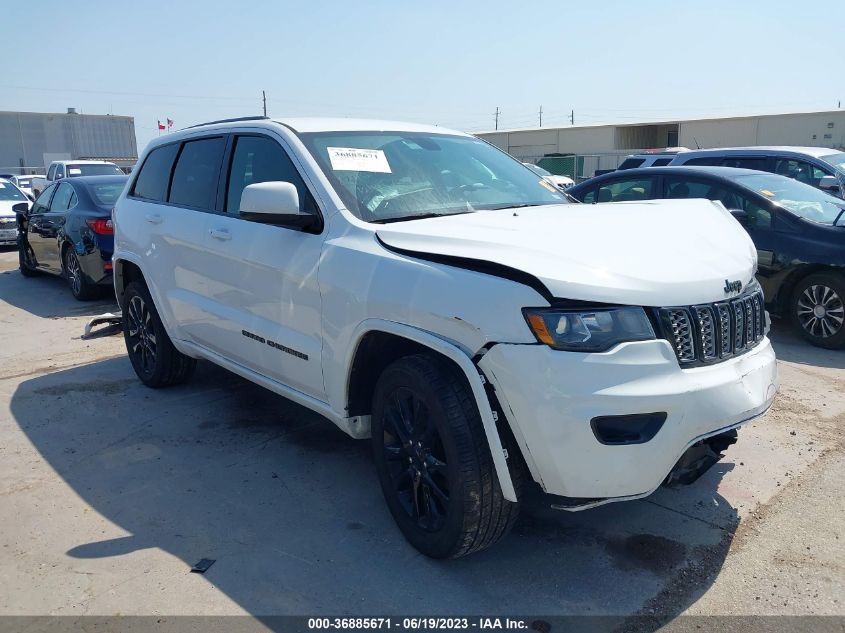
(818,309)
(433,460)
(26,261)
(82,289)
(155,360)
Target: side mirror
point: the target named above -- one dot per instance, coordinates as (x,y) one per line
(740,215)
(829,183)
(21,207)
(274,202)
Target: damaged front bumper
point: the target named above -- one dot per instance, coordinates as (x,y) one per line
(666,424)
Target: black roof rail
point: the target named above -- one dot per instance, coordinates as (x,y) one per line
(235,120)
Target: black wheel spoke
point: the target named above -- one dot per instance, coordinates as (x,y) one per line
(434,488)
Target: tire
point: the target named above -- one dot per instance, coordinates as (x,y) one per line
(817,309)
(458,507)
(82,289)
(25,259)
(154,358)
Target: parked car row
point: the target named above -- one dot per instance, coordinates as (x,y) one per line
(60,169)
(819,167)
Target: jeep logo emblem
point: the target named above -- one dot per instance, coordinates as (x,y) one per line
(732,286)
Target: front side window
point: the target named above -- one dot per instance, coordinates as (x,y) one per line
(261,159)
(63,198)
(800,199)
(196,173)
(154,177)
(393,176)
(626,190)
(837,161)
(43,201)
(800,170)
(60,171)
(9,192)
(51,173)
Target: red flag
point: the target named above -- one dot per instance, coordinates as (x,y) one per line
(161,126)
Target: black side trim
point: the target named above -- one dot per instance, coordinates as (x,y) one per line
(477,265)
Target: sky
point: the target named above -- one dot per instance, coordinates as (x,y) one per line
(448,63)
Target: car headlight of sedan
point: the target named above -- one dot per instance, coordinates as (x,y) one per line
(580,330)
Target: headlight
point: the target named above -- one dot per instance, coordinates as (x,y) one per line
(588,330)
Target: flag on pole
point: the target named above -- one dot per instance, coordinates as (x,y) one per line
(169,123)
(161,126)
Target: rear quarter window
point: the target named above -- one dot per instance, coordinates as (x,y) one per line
(154,176)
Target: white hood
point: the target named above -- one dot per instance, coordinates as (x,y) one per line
(6,208)
(655,253)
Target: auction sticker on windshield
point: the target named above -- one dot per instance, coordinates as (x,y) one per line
(354,159)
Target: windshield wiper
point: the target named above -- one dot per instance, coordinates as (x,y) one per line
(421,216)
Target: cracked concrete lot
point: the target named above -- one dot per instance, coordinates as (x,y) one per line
(109,492)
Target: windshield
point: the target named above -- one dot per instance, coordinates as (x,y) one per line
(93,170)
(106,194)
(9,192)
(836,160)
(391,176)
(802,200)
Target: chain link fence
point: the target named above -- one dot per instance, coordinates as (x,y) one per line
(576,166)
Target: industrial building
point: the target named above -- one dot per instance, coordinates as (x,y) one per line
(31,140)
(596,147)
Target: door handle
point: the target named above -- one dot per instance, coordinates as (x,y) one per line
(153,218)
(220,234)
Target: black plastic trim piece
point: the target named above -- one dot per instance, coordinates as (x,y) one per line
(645,426)
(477,265)
(235,120)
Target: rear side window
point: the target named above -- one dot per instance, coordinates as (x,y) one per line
(64,199)
(152,180)
(746,162)
(630,163)
(707,161)
(261,159)
(196,173)
(661,161)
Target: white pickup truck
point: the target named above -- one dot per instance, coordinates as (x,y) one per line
(59,169)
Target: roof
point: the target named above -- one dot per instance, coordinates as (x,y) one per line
(816,152)
(725,173)
(336,124)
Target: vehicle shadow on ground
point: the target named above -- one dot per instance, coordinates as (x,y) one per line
(291,510)
(790,347)
(49,296)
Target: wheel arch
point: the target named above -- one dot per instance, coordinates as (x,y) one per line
(788,285)
(377,343)
(125,272)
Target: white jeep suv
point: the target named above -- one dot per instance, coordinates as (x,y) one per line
(420,287)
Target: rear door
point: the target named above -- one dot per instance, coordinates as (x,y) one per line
(52,223)
(163,221)
(265,298)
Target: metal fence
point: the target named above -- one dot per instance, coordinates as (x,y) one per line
(576,166)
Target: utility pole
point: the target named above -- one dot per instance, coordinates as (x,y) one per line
(497,117)
(541,116)
(264,99)
(572,118)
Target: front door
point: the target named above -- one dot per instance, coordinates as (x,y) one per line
(266,297)
(37,233)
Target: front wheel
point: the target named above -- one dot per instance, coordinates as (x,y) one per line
(154,358)
(818,309)
(433,460)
